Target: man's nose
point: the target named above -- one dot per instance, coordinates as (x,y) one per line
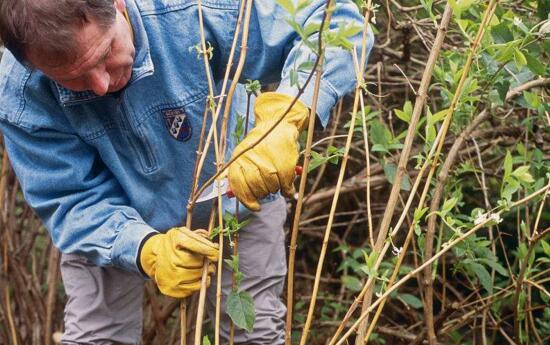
(99,81)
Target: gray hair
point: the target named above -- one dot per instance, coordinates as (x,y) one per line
(48,26)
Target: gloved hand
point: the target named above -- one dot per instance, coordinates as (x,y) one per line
(270,165)
(174,260)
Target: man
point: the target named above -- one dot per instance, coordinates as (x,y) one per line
(101,106)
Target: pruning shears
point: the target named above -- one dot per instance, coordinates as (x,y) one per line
(221,187)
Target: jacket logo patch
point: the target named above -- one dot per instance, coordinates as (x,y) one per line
(177,124)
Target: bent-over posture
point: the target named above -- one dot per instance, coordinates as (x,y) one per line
(101,107)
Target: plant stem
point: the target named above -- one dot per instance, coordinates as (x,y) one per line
(202,158)
(311,310)
(53,276)
(359,68)
(317,69)
(237,75)
(422,94)
(430,232)
(336,120)
(197,171)
(220,270)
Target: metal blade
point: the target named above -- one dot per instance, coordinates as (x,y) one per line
(215,189)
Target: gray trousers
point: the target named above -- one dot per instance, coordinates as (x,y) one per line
(104,304)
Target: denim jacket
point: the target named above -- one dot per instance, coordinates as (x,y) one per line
(105,172)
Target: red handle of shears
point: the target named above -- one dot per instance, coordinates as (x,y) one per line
(298,170)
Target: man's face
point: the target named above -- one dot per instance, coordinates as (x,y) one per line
(103,60)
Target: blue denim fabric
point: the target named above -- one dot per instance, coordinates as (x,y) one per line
(104,172)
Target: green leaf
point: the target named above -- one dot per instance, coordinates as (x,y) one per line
(206,341)
(508,163)
(519,58)
(483,275)
(402,115)
(302,4)
(352,283)
(523,175)
(535,65)
(379,148)
(379,133)
(306,66)
(532,99)
(419,213)
(406,113)
(524,229)
(395,146)
(294,77)
(448,205)
(357,253)
(334,154)
(437,117)
(370,260)
(521,149)
(522,251)
(233,263)
(350,29)
(496,266)
(545,247)
(297,28)
(427,4)
(460,6)
(288,6)
(509,189)
(417,229)
(239,129)
(411,300)
(311,28)
(506,52)
(430,128)
(252,86)
(389,171)
(501,33)
(316,161)
(241,310)
(502,89)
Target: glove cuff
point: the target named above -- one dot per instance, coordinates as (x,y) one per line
(142,261)
(271,105)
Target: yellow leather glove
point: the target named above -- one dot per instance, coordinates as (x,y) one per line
(270,165)
(174,260)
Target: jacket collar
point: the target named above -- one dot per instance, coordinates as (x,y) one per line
(143,64)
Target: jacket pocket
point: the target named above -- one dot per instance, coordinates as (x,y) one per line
(137,140)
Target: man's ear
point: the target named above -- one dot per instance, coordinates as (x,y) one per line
(120,5)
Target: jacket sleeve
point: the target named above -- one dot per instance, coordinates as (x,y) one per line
(81,204)
(279,45)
